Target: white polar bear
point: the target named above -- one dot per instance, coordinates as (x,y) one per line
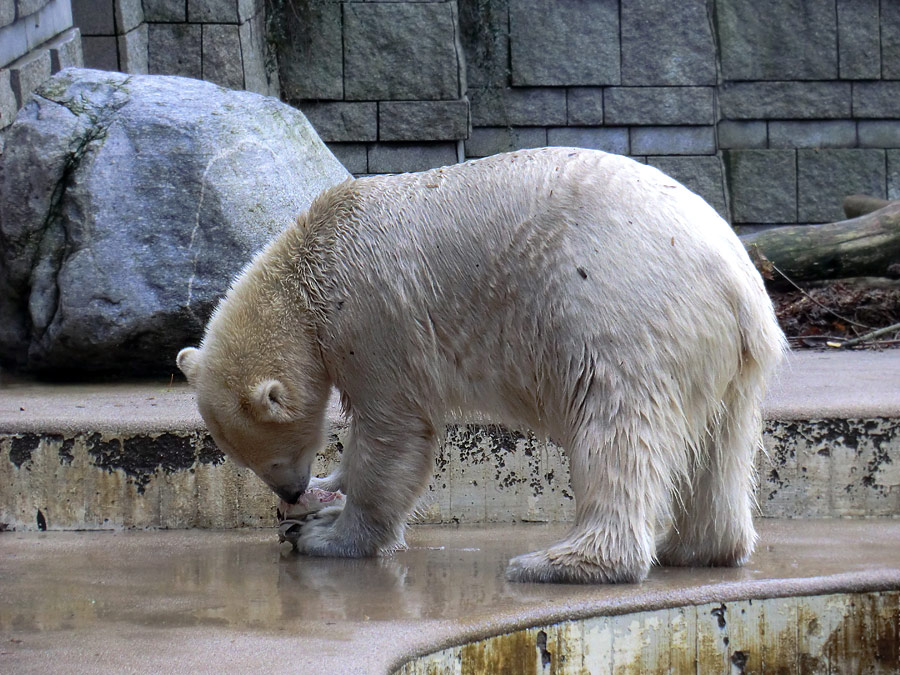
(581,294)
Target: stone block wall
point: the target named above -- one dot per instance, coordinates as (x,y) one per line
(222,41)
(382,82)
(808,105)
(773,110)
(632,77)
(37,39)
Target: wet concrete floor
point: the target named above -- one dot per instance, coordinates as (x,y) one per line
(232,601)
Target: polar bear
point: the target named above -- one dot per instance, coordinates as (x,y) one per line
(581,294)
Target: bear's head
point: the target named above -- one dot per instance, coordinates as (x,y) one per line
(263,400)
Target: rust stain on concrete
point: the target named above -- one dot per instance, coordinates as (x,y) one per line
(841,633)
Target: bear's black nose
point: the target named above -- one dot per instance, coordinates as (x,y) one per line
(289,494)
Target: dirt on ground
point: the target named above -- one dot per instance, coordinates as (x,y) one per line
(833,312)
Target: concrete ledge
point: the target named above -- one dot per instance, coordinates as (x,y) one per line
(841,632)
(229,601)
(137,456)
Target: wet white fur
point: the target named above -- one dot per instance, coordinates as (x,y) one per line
(581,294)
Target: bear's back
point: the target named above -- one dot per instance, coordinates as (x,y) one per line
(490,268)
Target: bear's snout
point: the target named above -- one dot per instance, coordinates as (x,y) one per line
(289,493)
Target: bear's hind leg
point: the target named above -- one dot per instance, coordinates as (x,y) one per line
(713,516)
(384,470)
(618,492)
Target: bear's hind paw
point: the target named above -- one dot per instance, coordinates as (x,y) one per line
(568,568)
(676,554)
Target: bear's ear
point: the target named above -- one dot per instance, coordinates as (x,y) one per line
(269,402)
(188,361)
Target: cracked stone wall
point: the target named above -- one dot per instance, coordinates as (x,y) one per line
(37,39)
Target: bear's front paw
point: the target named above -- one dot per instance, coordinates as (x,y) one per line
(317,534)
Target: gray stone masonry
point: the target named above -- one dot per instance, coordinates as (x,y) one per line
(785,100)
(28,73)
(484,37)
(564,42)
(165,10)
(343,121)
(310,55)
(890,40)
(221,44)
(703,175)
(879,133)
(27,7)
(129,15)
(254,52)
(100,52)
(777,39)
(658,105)
(673,140)
(683,48)
(8,104)
(518,107)
(7,12)
(401,51)
(423,120)
(212,11)
(133,50)
(354,156)
(36,40)
(93,17)
(859,55)
(65,50)
(175,49)
(584,106)
(391,81)
(35,23)
(401,157)
(627,76)
(876,99)
(222,41)
(742,134)
(485,141)
(114,34)
(763,185)
(799,134)
(825,177)
(608,139)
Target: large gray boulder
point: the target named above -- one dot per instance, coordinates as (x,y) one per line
(128,204)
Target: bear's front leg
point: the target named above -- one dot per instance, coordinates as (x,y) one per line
(333,482)
(385,468)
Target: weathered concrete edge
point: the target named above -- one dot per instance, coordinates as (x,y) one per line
(706,652)
(508,622)
(482,473)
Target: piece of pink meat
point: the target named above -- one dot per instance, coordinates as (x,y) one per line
(309,502)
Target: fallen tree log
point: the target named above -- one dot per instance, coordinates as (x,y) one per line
(868,245)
